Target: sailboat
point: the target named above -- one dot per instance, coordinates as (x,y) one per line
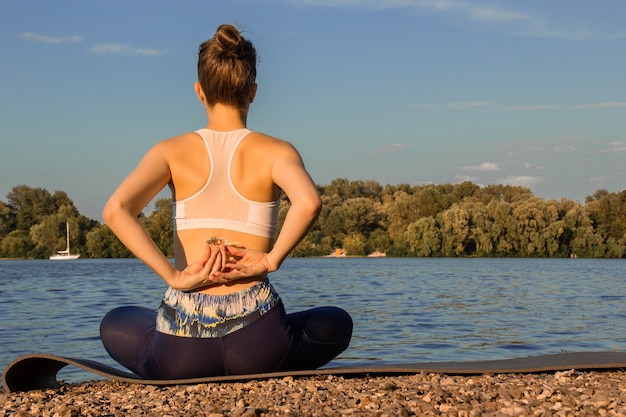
(65,255)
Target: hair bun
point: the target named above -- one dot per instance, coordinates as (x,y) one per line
(228,38)
(227,68)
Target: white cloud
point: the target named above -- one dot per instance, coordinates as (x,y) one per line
(115,49)
(463,178)
(532,165)
(484,167)
(609,105)
(574,138)
(521,180)
(470,10)
(532,107)
(599,179)
(564,149)
(50,40)
(539,28)
(100,48)
(518,22)
(424,106)
(470,105)
(616,147)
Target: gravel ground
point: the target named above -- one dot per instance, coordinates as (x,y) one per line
(568,393)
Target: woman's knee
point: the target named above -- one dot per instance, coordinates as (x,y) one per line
(127,319)
(111,321)
(126,326)
(126,333)
(343,325)
(329,325)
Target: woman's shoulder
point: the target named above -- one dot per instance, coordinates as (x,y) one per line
(179,142)
(268,143)
(180,139)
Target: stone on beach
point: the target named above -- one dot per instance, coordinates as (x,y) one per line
(567,393)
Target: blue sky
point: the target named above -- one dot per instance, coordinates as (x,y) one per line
(528,93)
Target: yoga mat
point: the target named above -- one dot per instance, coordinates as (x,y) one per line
(38,371)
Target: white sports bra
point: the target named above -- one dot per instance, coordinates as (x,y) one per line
(218,205)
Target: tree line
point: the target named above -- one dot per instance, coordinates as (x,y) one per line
(360,218)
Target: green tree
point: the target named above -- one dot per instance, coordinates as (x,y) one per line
(354,244)
(481,233)
(339,187)
(504,228)
(378,241)
(64,204)
(358,216)
(371,189)
(7,219)
(400,220)
(616,248)
(465,189)
(455,230)
(424,238)
(579,237)
(330,220)
(30,205)
(314,244)
(432,200)
(538,227)
(504,193)
(402,210)
(159,226)
(46,237)
(102,243)
(608,214)
(17,244)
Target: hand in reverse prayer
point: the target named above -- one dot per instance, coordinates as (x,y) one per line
(201,273)
(243,263)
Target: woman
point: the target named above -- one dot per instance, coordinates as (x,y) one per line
(220,315)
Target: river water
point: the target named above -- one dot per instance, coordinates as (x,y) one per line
(404,310)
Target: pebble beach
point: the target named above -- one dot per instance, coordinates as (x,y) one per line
(564,393)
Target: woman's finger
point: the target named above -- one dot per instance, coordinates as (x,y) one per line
(224,257)
(206,254)
(235,251)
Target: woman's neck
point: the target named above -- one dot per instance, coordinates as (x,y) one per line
(225,118)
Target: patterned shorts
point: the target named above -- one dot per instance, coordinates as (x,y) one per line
(194,314)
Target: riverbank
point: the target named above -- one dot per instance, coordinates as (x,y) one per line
(565,393)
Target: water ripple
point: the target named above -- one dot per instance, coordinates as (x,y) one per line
(404,310)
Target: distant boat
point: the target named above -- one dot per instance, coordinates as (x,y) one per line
(65,255)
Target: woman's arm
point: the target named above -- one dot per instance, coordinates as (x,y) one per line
(120,214)
(290,175)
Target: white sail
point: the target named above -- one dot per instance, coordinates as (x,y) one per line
(65,255)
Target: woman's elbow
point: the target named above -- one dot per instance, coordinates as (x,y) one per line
(110,211)
(314,206)
(307,207)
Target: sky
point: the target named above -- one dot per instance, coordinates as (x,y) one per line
(528,93)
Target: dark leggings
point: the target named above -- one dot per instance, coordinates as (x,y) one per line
(275,342)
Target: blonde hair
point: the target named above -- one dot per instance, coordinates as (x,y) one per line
(227,68)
